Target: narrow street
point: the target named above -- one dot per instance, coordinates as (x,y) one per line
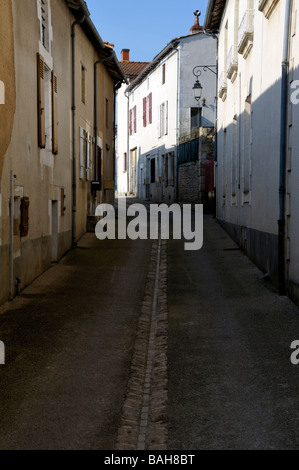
(135,345)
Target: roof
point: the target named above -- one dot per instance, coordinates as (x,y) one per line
(214,14)
(133,69)
(157,59)
(80,11)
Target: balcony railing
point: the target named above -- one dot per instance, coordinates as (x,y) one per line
(245,33)
(222,86)
(232,63)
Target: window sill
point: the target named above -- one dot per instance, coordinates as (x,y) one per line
(267,7)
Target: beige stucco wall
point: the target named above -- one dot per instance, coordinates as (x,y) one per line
(7,76)
(87,55)
(40,175)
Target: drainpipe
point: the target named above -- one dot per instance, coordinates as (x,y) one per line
(128,142)
(178,128)
(117,86)
(283,145)
(11,244)
(100,61)
(74,178)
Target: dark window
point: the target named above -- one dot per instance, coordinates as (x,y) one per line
(153,170)
(195,118)
(83,84)
(163,73)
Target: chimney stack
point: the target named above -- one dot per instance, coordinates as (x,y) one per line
(125,55)
(196,28)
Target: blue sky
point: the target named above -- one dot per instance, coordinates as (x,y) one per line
(145,30)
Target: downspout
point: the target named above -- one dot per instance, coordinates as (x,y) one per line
(11,244)
(178,129)
(215,36)
(100,61)
(283,145)
(74,176)
(216,130)
(128,142)
(116,87)
(216,107)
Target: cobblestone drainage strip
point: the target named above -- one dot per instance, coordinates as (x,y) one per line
(143,422)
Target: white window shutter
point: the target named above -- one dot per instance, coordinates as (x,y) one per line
(166,117)
(159,121)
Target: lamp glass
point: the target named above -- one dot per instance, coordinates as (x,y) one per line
(197,89)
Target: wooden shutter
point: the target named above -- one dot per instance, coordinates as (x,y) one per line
(54,113)
(130,122)
(41,101)
(144,112)
(24,227)
(81,155)
(150,103)
(135,119)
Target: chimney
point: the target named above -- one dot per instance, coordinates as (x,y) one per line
(196,28)
(125,55)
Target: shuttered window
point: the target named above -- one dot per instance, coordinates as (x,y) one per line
(130,121)
(54,113)
(41,101)
(163,119)
(147,110)
(133,120)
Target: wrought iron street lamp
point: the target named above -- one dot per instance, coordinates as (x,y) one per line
(197,88)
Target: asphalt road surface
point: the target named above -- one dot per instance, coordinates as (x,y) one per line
(143,345)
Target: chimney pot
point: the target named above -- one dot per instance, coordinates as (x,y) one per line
(196,28)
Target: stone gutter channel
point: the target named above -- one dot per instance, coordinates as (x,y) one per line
(143,423)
